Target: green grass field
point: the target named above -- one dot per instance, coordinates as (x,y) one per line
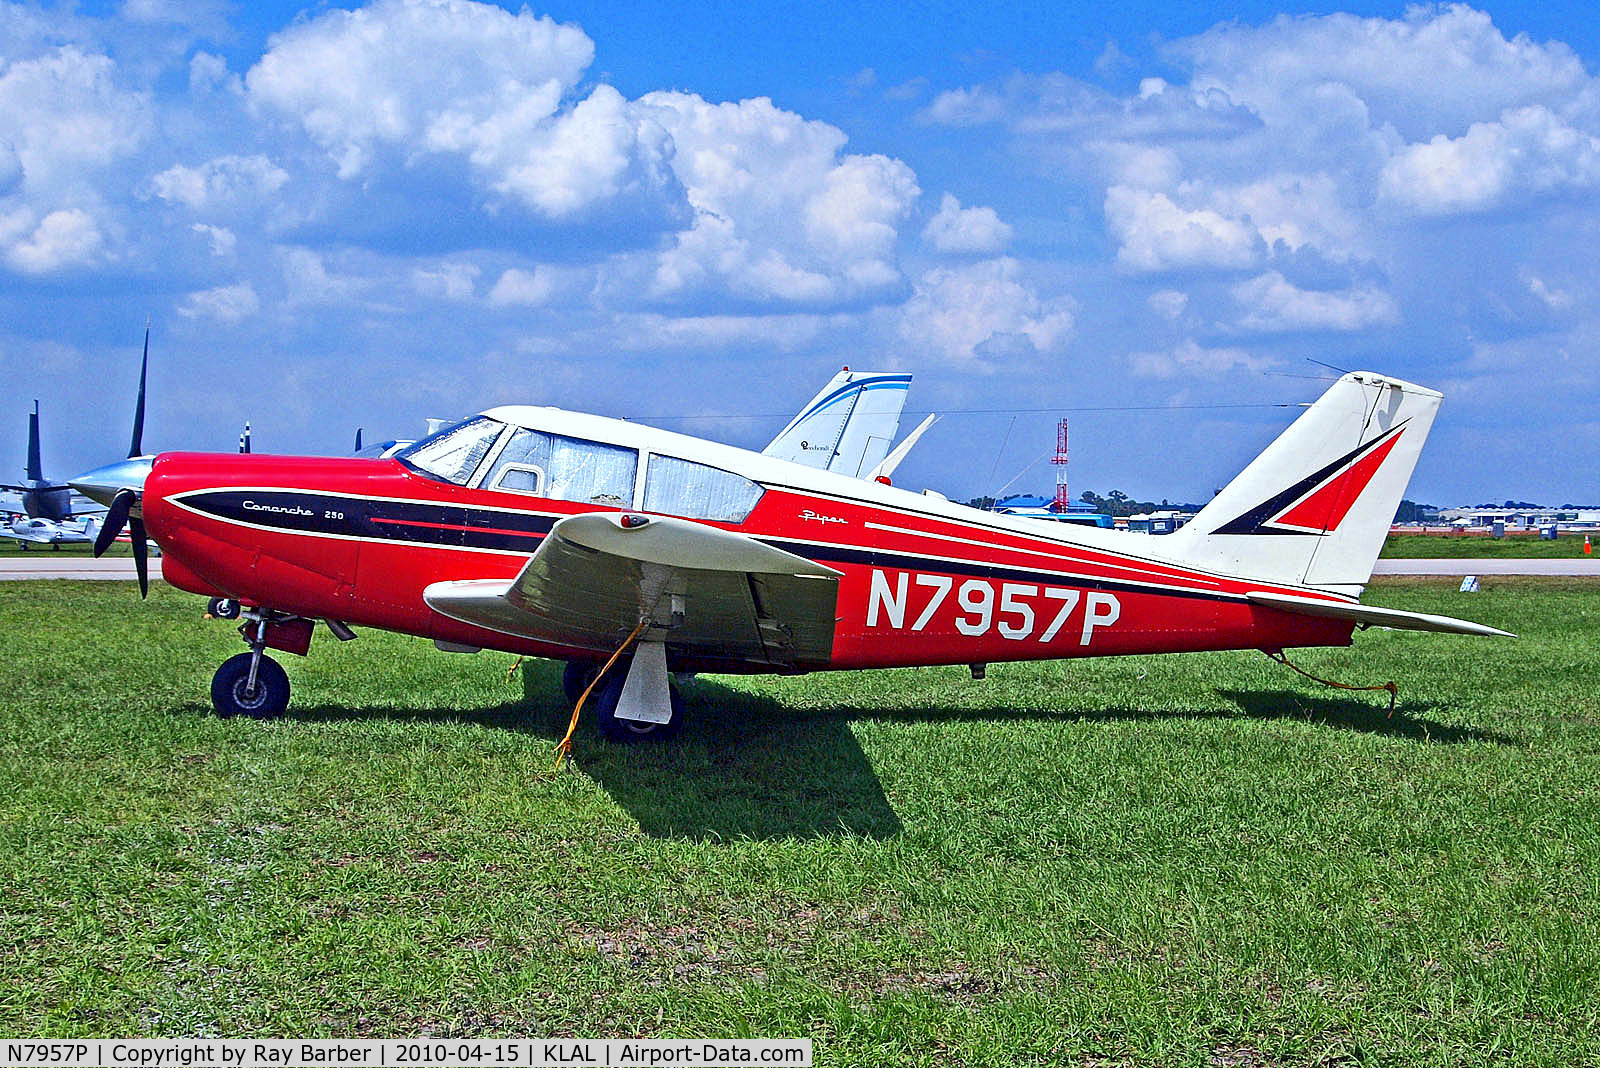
(1200,860)
(1479,547)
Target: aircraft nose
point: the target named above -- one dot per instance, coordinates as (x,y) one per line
(102,484)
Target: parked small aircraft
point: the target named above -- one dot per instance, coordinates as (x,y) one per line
(37,530)
(553,533)
(40,497)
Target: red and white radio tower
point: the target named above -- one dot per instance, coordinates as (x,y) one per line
(1063,499)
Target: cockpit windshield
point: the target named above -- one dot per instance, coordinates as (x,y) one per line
(455,452)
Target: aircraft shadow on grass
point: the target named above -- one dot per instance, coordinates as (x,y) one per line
(1368,715)
(747,766)
(744,767)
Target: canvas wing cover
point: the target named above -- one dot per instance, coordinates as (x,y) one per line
(719,594)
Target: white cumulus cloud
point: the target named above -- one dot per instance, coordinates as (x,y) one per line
(409,73)
(1189,359)
(222,181)
(979,314)
(1271,303)
(1155,234)
(62,239)
(1526,152)
(780,212)
(1434,69)
(67,116)
(446,281)
(399,80)
(516,286)
(969,230)
(224,304)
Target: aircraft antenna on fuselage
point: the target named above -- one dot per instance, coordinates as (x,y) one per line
(1000,452)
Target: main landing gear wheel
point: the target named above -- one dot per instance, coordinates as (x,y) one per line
(576,677)
(629,731)
(232,694)
(223,608)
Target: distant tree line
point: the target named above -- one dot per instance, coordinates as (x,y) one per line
(1412,512)
(1117,503)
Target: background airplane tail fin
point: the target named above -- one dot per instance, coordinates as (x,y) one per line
(1314,508)
(849,426)
(35,466)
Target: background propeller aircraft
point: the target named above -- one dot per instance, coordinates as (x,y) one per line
(553,533)
(41,498)
(37,530)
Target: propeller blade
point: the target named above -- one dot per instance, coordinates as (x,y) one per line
(136,448)
(358,439)
(141,556)
(116,518)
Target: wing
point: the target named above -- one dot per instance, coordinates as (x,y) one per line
(721,595)
(1372,616)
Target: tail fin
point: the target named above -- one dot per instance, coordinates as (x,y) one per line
(849,426)
(35,468)
(1313,509)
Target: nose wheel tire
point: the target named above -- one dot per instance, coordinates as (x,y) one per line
(232,695)
(576,677)
(629,731)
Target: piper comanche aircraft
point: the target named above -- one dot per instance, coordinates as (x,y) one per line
(552,533)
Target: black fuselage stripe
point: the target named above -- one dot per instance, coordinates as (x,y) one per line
(413,522)
(455,526)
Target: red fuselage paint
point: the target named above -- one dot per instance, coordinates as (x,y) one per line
(359,540)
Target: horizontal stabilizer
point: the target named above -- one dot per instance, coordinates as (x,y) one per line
(901,451)
(1368,615)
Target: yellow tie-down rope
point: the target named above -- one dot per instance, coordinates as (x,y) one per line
(564,746)
(1390,687)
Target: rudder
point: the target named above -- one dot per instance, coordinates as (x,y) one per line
(1314,507)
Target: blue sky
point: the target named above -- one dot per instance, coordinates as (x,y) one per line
(1151,221)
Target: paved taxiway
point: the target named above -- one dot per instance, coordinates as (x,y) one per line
(46,564)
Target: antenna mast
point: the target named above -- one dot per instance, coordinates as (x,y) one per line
(1063,498)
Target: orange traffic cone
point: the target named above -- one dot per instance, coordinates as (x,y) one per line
(1587,549)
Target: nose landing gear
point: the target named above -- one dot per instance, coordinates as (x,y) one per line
(250,684)
(253,684)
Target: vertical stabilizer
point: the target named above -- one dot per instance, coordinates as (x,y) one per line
(847,427)
(35,466)
(1314,508)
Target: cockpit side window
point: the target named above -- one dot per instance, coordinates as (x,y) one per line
(455,452)
(697,491)
(523,466)
(565,469)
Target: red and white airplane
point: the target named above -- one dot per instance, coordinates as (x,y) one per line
(557,534)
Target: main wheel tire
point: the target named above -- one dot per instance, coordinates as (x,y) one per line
(576,677)
(223,608)
(629,731)
(230,697)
